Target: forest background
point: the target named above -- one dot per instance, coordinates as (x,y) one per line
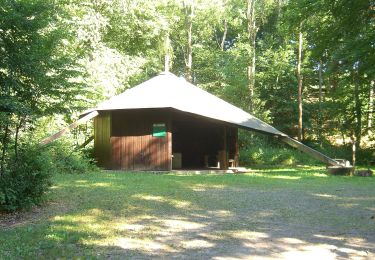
(305,66)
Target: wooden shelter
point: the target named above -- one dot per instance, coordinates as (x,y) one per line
(167,123)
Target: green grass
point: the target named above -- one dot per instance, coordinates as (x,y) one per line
(266,213)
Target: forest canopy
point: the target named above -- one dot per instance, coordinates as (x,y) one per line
(306,67)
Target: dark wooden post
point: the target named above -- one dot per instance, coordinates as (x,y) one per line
(224,154)
(237,155)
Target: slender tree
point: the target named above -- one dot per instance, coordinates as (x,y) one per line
(371,106)
(167,57)
(222,44)
(320,116)
(252,31)
(300,86)
(189,13)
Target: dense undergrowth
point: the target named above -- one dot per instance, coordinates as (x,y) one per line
(27,174)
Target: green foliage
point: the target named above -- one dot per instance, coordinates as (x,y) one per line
(68,160)
(34,66)
(27,178)
(28,175)
(263,150)
(277,156)
(37,69)
(365,156)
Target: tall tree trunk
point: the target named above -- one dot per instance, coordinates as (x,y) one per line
(299,77)
(224,34)
(277,81)
(4,143)
(278,9)
(167,54)
(371,106)
(189,12)
(320,124)
(18,127)
(358,112)
(252,33)
(354,149)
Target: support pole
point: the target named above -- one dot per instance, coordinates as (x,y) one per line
(224,160)
(87,142)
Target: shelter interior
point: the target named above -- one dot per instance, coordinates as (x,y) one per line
(163,139)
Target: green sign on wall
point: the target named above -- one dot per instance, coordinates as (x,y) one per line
(159,130)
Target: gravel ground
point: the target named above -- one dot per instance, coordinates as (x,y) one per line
(244,223)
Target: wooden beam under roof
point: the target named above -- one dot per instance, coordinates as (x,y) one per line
(68,128)
(308,150)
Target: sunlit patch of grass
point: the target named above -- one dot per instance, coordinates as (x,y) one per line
(81,181)
(320,175)
(289,173)
(173,202)
(248,235)
(146,245)
(277,175)
(326,196)
(286,177)
(204,187)
(349,205)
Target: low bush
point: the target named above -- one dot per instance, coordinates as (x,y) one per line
(26,178)
(69,160)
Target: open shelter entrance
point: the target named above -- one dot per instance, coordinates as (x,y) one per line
(203,144)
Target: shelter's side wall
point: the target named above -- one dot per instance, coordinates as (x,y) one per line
(133,145)
(102,134)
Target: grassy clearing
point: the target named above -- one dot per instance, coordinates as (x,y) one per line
(266,213)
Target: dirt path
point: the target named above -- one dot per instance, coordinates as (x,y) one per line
(254,224)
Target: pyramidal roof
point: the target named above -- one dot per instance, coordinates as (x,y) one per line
(169,91)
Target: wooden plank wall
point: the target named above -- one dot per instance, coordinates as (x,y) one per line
(102,134)
(134,147)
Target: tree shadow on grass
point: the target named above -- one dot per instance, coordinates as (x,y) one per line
(215,216)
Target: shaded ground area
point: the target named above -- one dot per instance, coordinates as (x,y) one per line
(280,213)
